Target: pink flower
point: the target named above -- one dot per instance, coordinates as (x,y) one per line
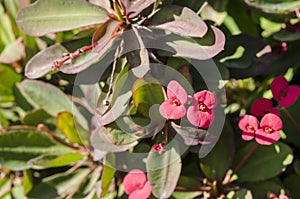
(200,113)
(286,95)
(262,106)
(136,185)
(271,195)
(282,196)
(248,124)
(173,107)
(268,133)
(158,148)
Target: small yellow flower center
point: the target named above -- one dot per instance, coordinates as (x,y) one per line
(202,107)
(250,128)
(268,129)
(176,102)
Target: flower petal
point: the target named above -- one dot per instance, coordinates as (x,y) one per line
(198,118)
(261,106)
(278,86)
(206,97)
(271,120)
(170,111)
(274,111)
(282,196)
(248,120)
(248,136)
(175,90)
(134,180)
(143,193)
(291,96)
(264,138)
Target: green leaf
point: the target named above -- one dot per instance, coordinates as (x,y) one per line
(163,171)
(17,192)
(266,161)
(17,148)
(292,128)
(260,189)
(65,122)
(105,44)
(35,117)
(137,55)
(175,45)
(50,161)
(41,63)
(146,93)
(88,187)
(43,95)
(3,121)
(179,20)
(6,32)
(12,52)
(285,35)
(107,173)
(218,161)
(240,194)
(291,183)
(58,185)
(27,181)
(191,136)
(276,7)
(117,136)
(245,56)
(187,183)
(5,186)
(10,77)
(44,17)
(134,7)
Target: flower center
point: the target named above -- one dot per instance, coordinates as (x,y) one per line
(202,107)
(176,102)
(268,129)
(250,128)
(283,94)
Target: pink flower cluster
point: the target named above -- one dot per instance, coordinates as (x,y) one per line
(136,185)
(267,132)
(200,112)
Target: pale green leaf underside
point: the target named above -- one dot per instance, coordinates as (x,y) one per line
(44,16)
(277,6)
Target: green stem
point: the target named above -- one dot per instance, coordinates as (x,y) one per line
(291,119)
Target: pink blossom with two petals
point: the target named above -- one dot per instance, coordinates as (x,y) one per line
(268,131)
(174,107)
(200,113)
(282,92)
(136,185)
(249,125)
(263,106)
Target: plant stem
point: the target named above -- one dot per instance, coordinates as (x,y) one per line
(291,118)
(183,189)
(245,158)
(69,56)
(166,132)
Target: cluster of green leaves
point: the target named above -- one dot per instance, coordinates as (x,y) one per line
(64,136)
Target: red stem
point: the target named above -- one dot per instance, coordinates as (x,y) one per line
(68,56)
